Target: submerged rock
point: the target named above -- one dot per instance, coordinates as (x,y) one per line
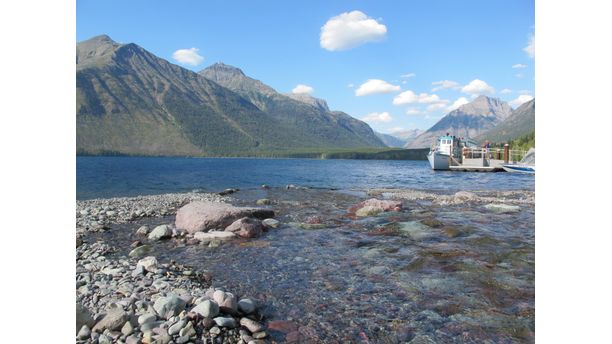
(205,216)
(503,208)
(246,227)
(373,207)
(140,251)
(270,223)
(206,237)
(263,201)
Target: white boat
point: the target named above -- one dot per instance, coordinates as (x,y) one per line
(519,168)
(526,165)
(446,146)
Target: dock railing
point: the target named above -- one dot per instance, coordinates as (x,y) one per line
(505,154)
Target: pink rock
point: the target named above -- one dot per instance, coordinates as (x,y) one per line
(314,220)
(246,227)
(205,216)
(373,203)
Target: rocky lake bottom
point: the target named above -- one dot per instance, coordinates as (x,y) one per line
(446,268)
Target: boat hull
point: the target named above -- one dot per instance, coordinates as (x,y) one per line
(438,161)
(519,168)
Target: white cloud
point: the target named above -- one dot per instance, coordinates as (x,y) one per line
(445,84)
(377,117)
(413,111)
(302,89)
(188,56)
(375,86)
(409,97)
(523,98)
(530,48)
(505,91)
(476,87)
(349,30)
(519,65)
(350,85)
(436,107)
(524,92)
(519,75)
(460,101)
(409,75)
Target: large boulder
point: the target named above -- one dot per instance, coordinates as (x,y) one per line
(203,216)
(246,227)
(374,206)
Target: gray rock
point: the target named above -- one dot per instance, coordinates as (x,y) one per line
(188,330)
(215,331)
(169,306)
(247,306)
(104,339)
(260,335)
(84,332)
(251,325)
(143,230)
(205,237)
(148,263)
(263,201)
(127,329)
(160,232)
(133,339)
(113,320)
(422,339)
(174,329)
(225,322)
(146,318)
(246,227)
(183,340)
(208,309)
(83,317)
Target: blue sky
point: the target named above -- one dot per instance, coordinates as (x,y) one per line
(334,48)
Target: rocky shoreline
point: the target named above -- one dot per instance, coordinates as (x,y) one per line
(135,299)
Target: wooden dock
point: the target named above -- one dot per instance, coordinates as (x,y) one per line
(468,168)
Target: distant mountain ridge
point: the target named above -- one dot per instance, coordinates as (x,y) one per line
(399,139)
(130,101)
(469,120)
(520,123)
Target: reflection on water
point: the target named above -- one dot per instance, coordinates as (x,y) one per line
(458,273)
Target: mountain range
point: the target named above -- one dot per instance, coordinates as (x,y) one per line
(399,139)
(130,101)
(478,119)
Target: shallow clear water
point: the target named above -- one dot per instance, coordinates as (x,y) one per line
(103,177)
(458,273)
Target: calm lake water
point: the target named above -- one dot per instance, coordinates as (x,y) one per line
(102,177)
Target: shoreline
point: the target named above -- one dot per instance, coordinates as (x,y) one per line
(121,286)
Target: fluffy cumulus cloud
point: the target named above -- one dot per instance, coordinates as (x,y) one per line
(523,98)
(349,30)
(376,117)
(476,87)
(457,103)
(409,97)
(506,91)
(302,89)
(188,56)
(519,65)
(530,48)
(436,107)
(375,86)
(443,84)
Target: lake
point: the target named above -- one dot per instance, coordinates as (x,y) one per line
(103,177)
